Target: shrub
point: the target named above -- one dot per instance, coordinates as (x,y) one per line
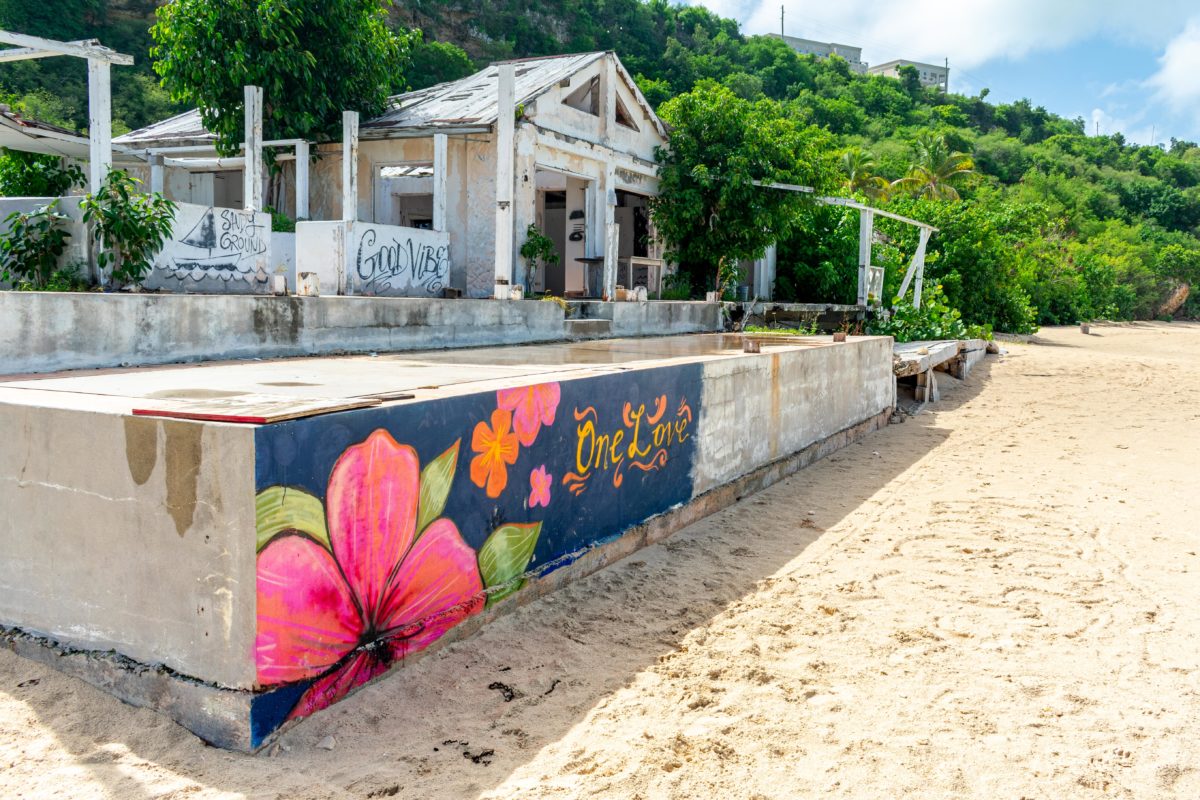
(32,246)
(33,175)
(932,321)
(130,226)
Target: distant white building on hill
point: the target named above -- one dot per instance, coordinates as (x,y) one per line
(826,49)
(929,74)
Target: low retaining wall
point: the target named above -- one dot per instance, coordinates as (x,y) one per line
(414,520)
(51,331)
(653,317)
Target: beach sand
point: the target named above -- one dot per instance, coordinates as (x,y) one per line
(998,598)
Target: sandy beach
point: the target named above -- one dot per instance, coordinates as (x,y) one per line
(996,599)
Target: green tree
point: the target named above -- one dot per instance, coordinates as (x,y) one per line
(858,167)
(438,62)
(313,60)
(935,169)
(714,208)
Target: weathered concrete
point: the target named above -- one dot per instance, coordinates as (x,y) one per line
(129,534)
(651,318)
(78,248)
(137,535)
(214,250)
(45,332)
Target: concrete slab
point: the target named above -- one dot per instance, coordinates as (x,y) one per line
(265,571)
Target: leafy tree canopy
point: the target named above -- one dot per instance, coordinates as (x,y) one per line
(715,207)
(313,60)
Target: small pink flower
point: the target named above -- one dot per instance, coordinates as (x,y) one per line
(539,484)
(532,407)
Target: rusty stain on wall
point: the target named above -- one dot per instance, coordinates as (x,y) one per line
(184,454)
(141,447)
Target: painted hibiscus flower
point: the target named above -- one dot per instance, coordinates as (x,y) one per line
(381,589)
(497,449)
(539,487)
(532,407)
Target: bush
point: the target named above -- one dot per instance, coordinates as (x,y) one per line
(32,246)
(32,175)
(934,320)
(130,226)
(676,286)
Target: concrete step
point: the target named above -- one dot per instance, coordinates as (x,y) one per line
(587,328)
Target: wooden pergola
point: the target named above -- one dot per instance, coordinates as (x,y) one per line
(99,59)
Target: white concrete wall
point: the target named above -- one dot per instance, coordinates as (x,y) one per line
(78,245)
(215,250)
(283,257)
(50,331)
(757,409)
(95,509)
(363,258)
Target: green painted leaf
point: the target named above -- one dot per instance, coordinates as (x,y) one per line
(505,556)
(435,486)
(279,509)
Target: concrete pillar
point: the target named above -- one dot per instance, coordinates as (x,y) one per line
(866,230)
(252,170)
(505,135)
(157,174)
(302,164)
(608,96)
(611,230)
(439,181)
(99,123)
(349,166)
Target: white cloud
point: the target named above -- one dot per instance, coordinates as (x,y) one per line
(968,33)
(1177,82)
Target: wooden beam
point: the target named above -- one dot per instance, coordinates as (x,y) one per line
(99,123)
(440,167)
(90,49)
(252,171)
(505,155)
(349,166)
(302,165)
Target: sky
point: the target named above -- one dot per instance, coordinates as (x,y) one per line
(1121,65)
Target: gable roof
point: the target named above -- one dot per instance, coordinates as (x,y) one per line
(467,104)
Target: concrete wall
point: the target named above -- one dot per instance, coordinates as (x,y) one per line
(49,331)
(759,408)
(130,534)
(660,318)
(215,250)
(78,246)
(374,260)
(283,258)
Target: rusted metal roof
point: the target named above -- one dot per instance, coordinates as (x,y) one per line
(471,101)
(464,105)
(185,127)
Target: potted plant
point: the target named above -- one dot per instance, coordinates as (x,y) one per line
(538,249)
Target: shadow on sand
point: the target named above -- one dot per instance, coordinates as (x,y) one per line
(442,727)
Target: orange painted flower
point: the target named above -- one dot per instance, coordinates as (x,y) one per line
(497,448)
(532,407)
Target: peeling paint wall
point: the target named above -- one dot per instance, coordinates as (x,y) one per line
(215,250)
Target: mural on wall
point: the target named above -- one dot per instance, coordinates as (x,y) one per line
(215,244)
(403,262)
(381,529)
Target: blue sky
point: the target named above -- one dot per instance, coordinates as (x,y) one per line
(1131,67)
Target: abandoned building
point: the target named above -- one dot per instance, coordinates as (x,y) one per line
(421,212)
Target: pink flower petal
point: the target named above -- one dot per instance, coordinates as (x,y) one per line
(372,508)
(307,619)
(360,668)
(548,396)
(436,587)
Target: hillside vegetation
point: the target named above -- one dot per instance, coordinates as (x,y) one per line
(1049,225)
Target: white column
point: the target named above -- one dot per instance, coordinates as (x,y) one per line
(866,229)
(157,174)
(505,130)
(608,96)
(611,230)
(349,166)
(302,163)
(439,181)
(99,123)
(916,267)
(252,169)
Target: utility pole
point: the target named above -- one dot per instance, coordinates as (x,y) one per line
(781,19)
(946,80)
